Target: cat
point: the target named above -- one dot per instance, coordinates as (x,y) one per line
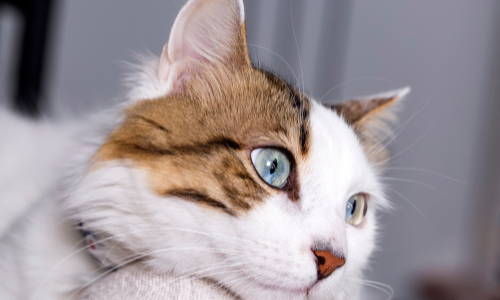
(213,168)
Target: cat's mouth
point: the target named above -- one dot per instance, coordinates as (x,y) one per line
(313,286)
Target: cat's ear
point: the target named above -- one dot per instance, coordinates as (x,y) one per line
(205,31)
(370,117)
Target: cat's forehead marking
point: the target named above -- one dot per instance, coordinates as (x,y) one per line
(196,145)
(300,103)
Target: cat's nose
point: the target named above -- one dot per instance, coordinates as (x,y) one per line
(327,262)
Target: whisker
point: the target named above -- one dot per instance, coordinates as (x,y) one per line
(415,182)
(385,288)
(428,172)
(297,46)
(404,150)
(47,275)
(137,257)
(145,254)
(354,80)
(390,293)
(109,251)
(392,135)
(169,228)
(399,129)
(409,202)
(100,276)
(280,57)
(219,236)
(62,261)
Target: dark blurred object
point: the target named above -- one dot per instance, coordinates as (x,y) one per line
(36,16)
(453,286)
(469,283)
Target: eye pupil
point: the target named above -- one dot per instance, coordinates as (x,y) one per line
(353,206)
(274,166)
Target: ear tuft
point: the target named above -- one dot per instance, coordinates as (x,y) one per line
(359,110)
(370,118)
(205,32)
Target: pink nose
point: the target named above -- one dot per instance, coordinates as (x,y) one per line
(327,263)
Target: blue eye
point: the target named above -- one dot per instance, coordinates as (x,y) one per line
(272,165)
(355,209)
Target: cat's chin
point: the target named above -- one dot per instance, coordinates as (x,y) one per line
(314,292)
(304,290)
(254,293)
(255,290)
(318,290)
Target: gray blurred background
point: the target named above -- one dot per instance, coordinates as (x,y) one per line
(444,179)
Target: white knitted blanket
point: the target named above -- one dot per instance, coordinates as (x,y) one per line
(136,283)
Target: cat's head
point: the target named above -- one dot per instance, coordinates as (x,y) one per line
(218,169)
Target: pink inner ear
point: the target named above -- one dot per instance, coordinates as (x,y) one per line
(201,47)
(205,30)
(193,53)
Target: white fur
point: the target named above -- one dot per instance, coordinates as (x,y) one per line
(264,254)
(143,80)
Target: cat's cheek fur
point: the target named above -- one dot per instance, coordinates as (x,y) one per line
(170,234)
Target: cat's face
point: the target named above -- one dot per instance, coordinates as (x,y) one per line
(224,171)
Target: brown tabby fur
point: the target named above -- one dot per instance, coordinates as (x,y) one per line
(196,144)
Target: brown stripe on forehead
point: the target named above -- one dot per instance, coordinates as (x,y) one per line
(147,148)
(299,102)
(303,106)
(155,124)
(195,148)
